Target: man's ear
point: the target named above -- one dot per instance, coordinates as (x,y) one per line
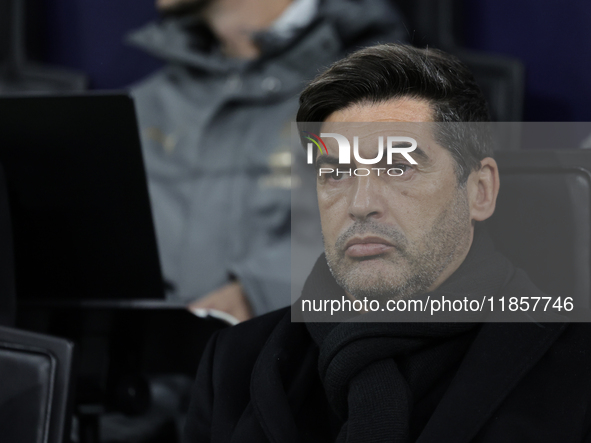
(483,188)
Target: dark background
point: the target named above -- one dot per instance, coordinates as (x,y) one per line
(552,39)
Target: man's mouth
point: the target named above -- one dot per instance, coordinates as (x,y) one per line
(367,246)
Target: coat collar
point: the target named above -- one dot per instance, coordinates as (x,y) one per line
(267,388)
(173,41)
(188,42)
(500,356)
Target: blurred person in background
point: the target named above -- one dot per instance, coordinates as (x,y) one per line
(215,126)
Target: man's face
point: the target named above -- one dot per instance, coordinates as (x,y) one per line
(390,237)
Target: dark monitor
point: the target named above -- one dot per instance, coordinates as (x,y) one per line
(81,217)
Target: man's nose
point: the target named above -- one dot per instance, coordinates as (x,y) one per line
(365,200)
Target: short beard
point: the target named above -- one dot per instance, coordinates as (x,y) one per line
(425,259)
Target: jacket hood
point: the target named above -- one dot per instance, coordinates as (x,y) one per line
(188,41)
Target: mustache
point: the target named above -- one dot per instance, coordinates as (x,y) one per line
(389,233)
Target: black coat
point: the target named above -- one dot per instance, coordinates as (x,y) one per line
(7,289)
(518,382)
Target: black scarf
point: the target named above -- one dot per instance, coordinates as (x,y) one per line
(385,379)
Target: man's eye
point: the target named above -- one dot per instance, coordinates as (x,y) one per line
(402,166)
(340,174)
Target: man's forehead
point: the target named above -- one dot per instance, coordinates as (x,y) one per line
(404,109)
(402,117)
(370,131)
(366,137)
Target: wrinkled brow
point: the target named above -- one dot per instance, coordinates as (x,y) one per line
(324,159)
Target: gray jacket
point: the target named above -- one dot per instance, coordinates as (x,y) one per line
(216,134)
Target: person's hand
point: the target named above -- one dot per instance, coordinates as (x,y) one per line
(229,298)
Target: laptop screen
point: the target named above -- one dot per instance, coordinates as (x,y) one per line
(81,218)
